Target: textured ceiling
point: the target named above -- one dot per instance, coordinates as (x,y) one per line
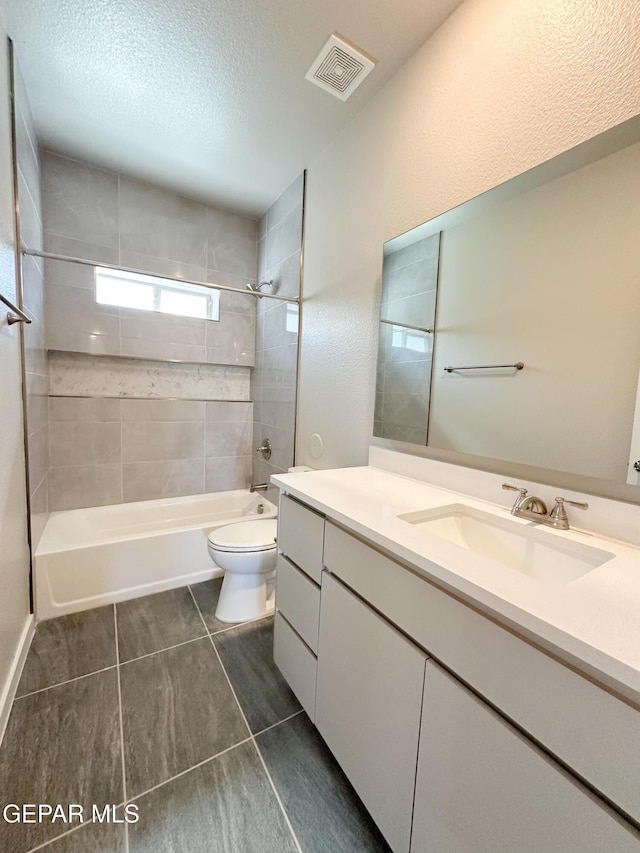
(206,97)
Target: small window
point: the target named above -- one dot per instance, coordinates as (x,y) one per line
(147,293)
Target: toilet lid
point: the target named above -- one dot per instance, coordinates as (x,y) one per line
(245,536)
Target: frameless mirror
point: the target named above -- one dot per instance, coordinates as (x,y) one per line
(509,325)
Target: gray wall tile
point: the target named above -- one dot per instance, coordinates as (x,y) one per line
(143,481)
(222,474)
(87,410)
(227,439)
(163,410)
(80,201)
(77,486)
(154,442)
(288,201)
(285,238)
(156,222)
(84,443)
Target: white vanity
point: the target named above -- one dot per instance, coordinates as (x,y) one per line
(476,677)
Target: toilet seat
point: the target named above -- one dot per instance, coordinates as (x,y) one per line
(245,536)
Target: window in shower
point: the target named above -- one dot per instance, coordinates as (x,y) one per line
(147,293)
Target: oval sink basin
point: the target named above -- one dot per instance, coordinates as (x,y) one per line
(525,548)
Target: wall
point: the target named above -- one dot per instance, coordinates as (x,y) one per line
(403,378)
(549,278)
(14,554)
(501,87)
(99,215)
(110,449)
(273,381)
(36,359)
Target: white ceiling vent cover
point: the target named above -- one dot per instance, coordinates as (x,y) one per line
(339,67)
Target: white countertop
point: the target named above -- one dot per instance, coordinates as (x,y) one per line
(592,623)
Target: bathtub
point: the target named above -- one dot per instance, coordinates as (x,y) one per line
(90,557)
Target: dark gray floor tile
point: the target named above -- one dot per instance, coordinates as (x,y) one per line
(247,655)
(156,622)
(68,647)
(224,806)
(61,746)
(325,812)
(207,595)
(92,838)
(178,710)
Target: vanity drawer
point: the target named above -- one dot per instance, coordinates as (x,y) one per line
(300,536)
(298,599)
(589,729)
(296,662)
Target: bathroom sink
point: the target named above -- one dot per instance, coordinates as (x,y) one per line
(524,548)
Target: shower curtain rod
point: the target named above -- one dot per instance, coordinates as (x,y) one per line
(53,257)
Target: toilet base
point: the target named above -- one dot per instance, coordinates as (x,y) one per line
(246,596)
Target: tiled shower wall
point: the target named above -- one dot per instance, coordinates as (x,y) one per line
(189,430)
(273,381)
(409,283)
(37,371)
(108,451)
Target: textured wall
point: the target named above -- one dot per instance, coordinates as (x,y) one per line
(502,86)
(36,360)
(14,553)
(273,381)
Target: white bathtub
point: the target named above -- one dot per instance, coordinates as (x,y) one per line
(90,557)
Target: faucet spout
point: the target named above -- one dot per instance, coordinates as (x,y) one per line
(259,487)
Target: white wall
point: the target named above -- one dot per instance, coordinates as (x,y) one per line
(501,87)
(14,556)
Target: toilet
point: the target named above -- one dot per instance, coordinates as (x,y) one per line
(246,550)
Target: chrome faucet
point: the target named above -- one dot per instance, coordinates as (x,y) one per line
(259,487)
(534,509)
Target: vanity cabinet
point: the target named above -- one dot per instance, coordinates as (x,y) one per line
(459,735)
(368,703)
(298,572)
(482,787)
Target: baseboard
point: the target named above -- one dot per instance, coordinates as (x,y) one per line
(11,685)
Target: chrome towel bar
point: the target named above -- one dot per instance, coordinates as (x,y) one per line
(15,315)
(518,366)
(407,326)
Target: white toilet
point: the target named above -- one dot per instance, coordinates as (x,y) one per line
(247,552)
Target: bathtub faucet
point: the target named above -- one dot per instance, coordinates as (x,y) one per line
(260,487)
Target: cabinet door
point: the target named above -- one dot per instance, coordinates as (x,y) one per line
(482,787)
(368,699)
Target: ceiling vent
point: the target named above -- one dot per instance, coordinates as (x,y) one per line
(339,67)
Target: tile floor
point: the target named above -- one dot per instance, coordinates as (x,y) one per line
(155,702)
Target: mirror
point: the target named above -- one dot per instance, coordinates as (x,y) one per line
(509,326)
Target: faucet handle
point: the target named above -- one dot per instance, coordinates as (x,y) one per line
(558,515)
(510,488)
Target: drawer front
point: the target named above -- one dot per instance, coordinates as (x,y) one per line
(296,663)
(592,731)
(300,536)
(298,599)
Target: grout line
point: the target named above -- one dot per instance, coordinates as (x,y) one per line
(168,648)
(52,841)
(68,681)
(277,796)
(188,770)
(251,735)
(124,775)
(279,723)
